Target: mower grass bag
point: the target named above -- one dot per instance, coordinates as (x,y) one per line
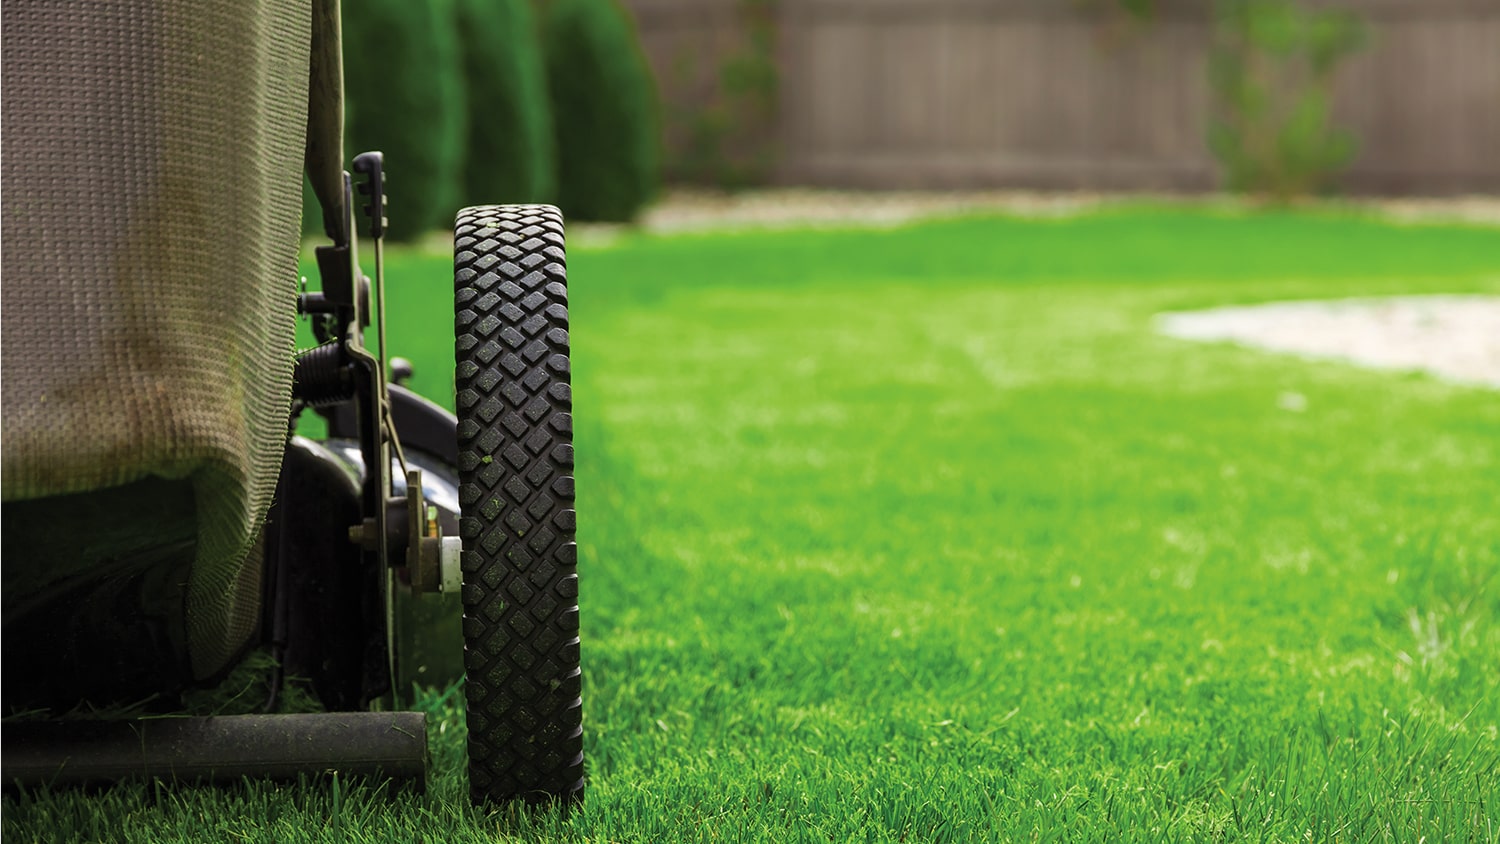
(151,207)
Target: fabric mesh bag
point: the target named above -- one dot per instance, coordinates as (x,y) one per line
(151,202)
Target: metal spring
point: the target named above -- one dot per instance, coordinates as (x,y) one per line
(321,377)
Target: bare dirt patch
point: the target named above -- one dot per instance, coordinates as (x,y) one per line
(1453,337)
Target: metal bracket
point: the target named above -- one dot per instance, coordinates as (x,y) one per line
(452,579)
(432,559)
(396,534)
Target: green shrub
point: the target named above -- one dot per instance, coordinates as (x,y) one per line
(604,109)
(1271,73)
(728,142)
(404,96)
(510,155)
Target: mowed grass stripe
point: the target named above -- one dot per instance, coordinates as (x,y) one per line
(973,510)
(924,535)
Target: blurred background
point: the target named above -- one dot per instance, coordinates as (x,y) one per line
(996,527)
(598,104)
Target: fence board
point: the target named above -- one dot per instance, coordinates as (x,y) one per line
(1048,94)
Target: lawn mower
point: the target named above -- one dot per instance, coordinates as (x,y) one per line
(162,515)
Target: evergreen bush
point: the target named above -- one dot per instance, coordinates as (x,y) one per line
(510,157)
(404,96)
(604,109)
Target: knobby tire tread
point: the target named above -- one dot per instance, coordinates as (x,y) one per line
(515,463)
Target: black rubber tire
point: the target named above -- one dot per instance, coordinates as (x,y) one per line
(515,469)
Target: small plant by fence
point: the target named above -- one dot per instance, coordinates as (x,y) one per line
(1271,72)
(727,138)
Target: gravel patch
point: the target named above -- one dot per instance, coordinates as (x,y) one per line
(1456,338)
(683,210)
(688,210)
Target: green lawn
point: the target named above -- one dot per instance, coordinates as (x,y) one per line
(923,535)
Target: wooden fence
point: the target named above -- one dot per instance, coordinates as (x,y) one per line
(1066,94)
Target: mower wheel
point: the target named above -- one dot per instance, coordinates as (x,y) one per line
(515,464)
